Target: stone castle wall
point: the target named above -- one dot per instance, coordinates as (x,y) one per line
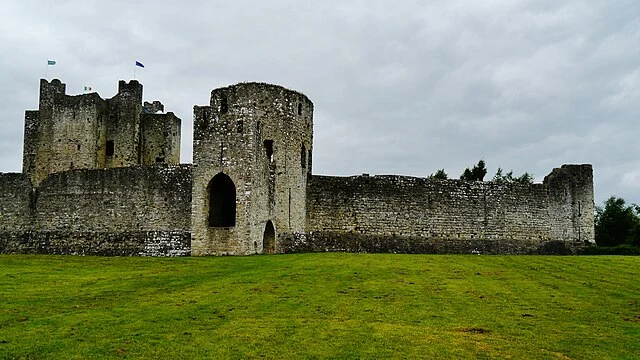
(16,202)
(96,181)
(122,211)
(407,214)
(147,210)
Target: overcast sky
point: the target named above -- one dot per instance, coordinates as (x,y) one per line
(399,87)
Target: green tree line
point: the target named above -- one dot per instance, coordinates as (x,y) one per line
(617,223)
(479,171)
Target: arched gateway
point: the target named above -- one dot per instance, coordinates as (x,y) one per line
(269,239)
(222,201)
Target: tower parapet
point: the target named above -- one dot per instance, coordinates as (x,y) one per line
(132,88)
(49,89)
(153,107)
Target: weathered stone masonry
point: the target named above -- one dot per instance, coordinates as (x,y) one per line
(258,135)
(424,215)
(102,177)
(88,132)
(125,211)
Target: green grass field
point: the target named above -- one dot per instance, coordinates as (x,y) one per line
(320,306)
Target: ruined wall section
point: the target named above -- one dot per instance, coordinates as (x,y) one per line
(254,133)
(135,198)
(16,200)
(153,107)
(571,191)
(160,138)
(395,213)
(16,209)
(123,126)
(125,211)
(31,131)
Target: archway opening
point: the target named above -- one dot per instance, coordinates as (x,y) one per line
(269,239)
(222,201)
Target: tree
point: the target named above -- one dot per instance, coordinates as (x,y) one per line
(467,175)
(617,223)
(524,179)
(439,175)
(476,174)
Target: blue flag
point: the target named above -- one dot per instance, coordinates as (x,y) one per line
(138,63)
(53,62)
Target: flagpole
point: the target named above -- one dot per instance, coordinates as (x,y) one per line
(134,68)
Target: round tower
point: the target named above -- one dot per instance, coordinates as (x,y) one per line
(252,151)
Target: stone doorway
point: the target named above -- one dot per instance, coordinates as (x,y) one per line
(222,201)
(269,239)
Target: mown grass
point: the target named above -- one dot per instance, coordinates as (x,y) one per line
(320,306)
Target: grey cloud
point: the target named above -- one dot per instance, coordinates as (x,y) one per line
(406,87)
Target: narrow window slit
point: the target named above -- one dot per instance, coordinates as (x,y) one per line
(224,105)
(268,148)
(110,148)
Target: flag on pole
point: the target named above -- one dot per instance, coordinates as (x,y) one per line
(87,88)
(138,63)
(51,62)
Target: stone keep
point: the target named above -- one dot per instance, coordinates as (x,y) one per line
(88,132)
(252,151)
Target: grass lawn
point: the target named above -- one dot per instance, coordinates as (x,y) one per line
(320,306)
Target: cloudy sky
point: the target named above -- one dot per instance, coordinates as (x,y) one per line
(399,87)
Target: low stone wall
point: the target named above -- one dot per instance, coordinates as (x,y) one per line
(470,212)
(137,198)
(132,243)
(16,202)
(367,243)
(132,211)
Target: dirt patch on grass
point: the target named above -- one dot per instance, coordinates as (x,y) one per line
(635,318)
(474,330)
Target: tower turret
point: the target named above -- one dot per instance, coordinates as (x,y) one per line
(123,127)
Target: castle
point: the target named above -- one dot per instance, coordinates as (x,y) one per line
(103,177)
